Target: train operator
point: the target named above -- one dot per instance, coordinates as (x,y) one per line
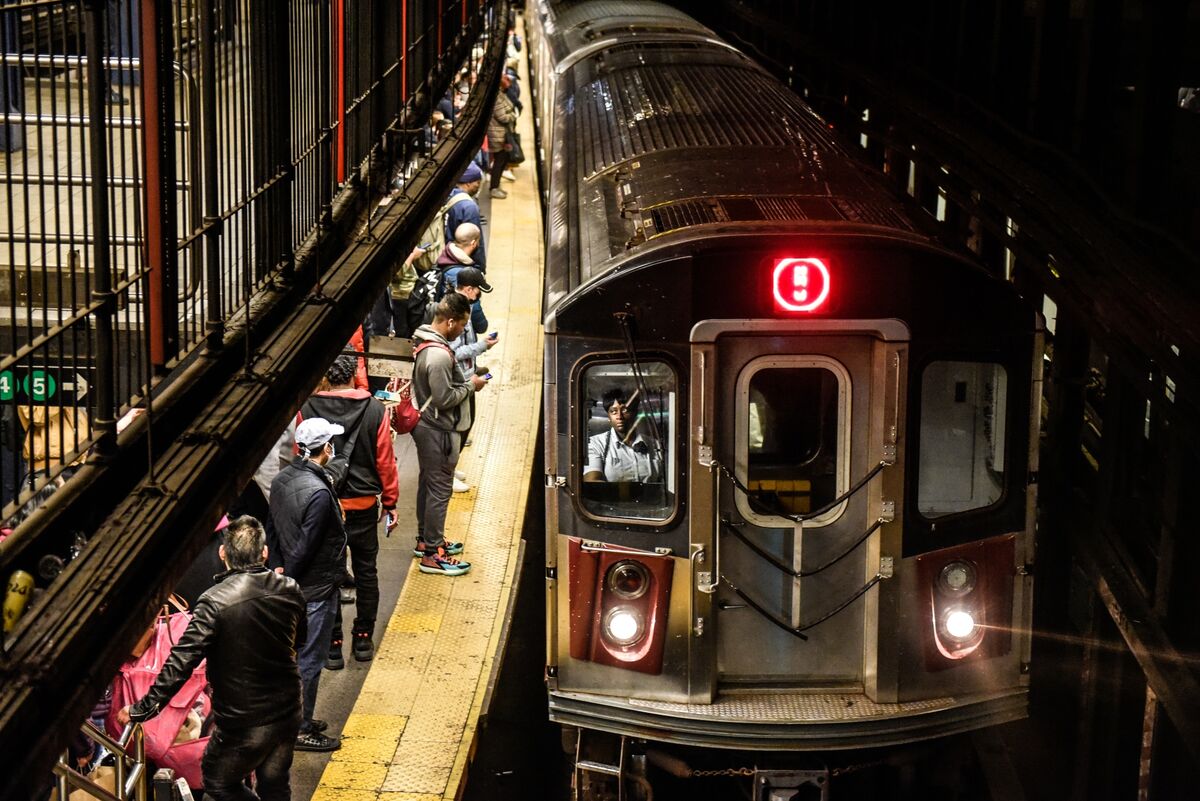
(622,453)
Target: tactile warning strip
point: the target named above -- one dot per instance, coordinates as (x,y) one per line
(412,729)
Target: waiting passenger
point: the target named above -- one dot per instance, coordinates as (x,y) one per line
(467,211)
(308,540)
(439,389)
(621,453)
(370,479)
(504,117)
(248,627)
(471,284)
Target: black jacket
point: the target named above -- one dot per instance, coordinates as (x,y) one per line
(305,535)
(248,628)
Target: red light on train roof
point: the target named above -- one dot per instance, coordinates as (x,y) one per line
(800,285)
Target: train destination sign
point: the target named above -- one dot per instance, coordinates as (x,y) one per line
(800,285)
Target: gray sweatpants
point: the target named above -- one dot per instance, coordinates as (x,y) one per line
(437,455)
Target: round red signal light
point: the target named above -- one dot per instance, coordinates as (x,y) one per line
(800,285)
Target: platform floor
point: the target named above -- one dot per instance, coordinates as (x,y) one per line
(411,731)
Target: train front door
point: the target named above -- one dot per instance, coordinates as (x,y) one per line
(801,422)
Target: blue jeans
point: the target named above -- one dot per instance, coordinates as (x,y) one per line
(312,655)
(232,754)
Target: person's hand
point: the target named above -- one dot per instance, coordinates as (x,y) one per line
(491,341)
(478,382)
(279,570)
(391,519)
(123,717)
(417,253)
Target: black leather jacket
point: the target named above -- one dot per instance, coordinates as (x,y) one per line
(249,627)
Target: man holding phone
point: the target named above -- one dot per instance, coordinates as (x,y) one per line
(468,347)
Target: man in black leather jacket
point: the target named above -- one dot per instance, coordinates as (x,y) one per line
(248,627)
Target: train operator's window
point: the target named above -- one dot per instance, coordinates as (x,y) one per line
(629,424)
(792,439)
(962,437)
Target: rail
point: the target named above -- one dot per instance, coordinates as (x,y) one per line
(130,768)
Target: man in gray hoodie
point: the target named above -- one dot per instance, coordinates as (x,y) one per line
(442,393)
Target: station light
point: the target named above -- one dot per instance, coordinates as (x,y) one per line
(628,579)
(800,285)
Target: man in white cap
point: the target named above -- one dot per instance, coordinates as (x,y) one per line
(307,541)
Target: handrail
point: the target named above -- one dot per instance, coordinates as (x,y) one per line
(130,769)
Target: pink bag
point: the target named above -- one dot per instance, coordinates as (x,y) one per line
(135,679)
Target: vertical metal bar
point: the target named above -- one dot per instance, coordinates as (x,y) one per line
(139,751)
(160,254)
(61,775)
(214,320)
(324,110)
(339,66)
(105,424)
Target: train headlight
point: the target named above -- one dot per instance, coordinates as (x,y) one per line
(957,578)
(960,624)
(624,626)
(628,580)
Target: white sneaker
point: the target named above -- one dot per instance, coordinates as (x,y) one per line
(460,475)
(460,485)
(508,175)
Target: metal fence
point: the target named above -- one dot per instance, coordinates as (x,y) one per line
(161,162)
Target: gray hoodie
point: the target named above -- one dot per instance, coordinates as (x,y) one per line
(436,378)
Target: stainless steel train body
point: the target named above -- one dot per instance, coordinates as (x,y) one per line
(826,544)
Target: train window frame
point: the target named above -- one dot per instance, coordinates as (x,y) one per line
(742,427)
(676,464)
(949,519)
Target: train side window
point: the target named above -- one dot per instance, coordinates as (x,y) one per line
(963,408)
(629,422)
(793,438)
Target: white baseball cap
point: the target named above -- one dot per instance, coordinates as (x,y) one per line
(314,432)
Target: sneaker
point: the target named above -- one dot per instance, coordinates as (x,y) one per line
(346,595)
(363,649)
(448,547)
(498,193)
(335,660)
(315,741)
(460,475)
(460,485)
(508,175)
(318,725)
(441,564)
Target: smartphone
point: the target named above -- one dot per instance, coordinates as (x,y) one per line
(487,377)
(493,335)
(426,246)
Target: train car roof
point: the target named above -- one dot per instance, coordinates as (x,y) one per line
(572,26)
(656,137)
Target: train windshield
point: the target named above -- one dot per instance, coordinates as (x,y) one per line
(962,437)
(629,422)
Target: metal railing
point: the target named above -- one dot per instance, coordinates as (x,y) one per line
(145,197)
(130,769)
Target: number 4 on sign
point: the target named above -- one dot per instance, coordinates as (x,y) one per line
(8,386)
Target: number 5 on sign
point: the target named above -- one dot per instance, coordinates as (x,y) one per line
(39,385)
(8,387)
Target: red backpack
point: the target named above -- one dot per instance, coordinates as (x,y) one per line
(405,415)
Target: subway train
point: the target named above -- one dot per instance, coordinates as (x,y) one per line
(791,440)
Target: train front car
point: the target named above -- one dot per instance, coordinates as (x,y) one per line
(789,441)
